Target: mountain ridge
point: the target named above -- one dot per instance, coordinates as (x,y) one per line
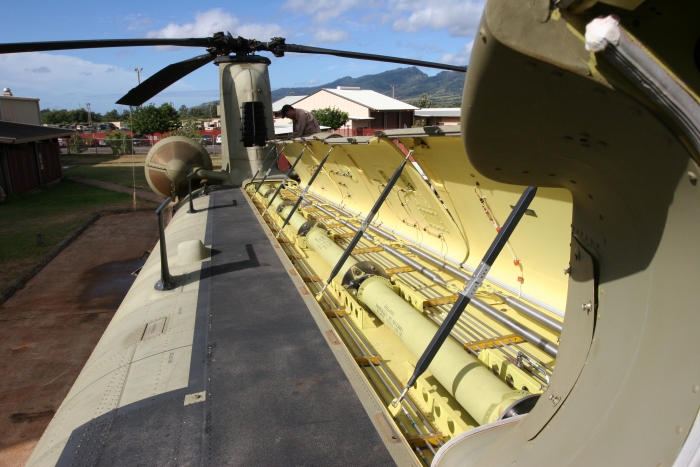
(443,90)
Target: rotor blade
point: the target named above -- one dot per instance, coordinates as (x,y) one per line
(163,79)
(96,44)
(362,56)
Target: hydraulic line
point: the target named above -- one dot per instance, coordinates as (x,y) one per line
(531,336)
(533,313)
(489,334)
(474,386)
(477,389)
(464,332)
(365,352)
(272,148)
(415,265)
(514,303)
(368,351)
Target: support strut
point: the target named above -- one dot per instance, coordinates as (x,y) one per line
(286,177)
(368,220)
(470,290)
(166,281)
(263,163)
(306,189)
(269,169)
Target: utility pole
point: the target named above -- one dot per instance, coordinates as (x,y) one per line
(392,90)
(89,114)
(138,76)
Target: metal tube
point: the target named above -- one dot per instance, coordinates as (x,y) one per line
(368,220)
(474,386)
(531,336)
(279,153)
(308,185)
(467,295)
(166,281)
(516,304)
(331,253)
(296,220)
(286,177)
(371,228)
(263,163)
(533,313)
(440,264)
(381,233)
(528,334)
(211,175)
(189,191)
(415,265)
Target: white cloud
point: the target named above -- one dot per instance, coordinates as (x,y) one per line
(62,80)
(330,35)
(462,57)
(459,17)
(209,22)
(137,21)
(324,10)
(42,69)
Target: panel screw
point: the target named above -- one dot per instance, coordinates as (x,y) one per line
(587,307)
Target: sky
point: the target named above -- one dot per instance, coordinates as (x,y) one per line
(431,30)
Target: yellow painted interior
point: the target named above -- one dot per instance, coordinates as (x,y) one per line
(433,206)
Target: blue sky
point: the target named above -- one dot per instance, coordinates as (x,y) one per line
(432,30)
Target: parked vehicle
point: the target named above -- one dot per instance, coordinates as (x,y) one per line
(218,139)
(62,143)
(141,140)
(207,140)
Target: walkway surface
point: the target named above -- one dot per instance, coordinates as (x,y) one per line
(274,392)
(49,328)
(141,194)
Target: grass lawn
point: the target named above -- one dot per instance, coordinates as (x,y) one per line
(55,213)
(114,169)
(107,168)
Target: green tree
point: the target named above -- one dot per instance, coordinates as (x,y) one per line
(423,101)
(54,117)
(150,119)
(74,144)
(189,129)
(184,112)
(197,112)
(121,143)
(76,116)
(418,122)
(112,116)
(334,118)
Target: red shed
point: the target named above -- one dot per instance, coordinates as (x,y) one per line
(29,156)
